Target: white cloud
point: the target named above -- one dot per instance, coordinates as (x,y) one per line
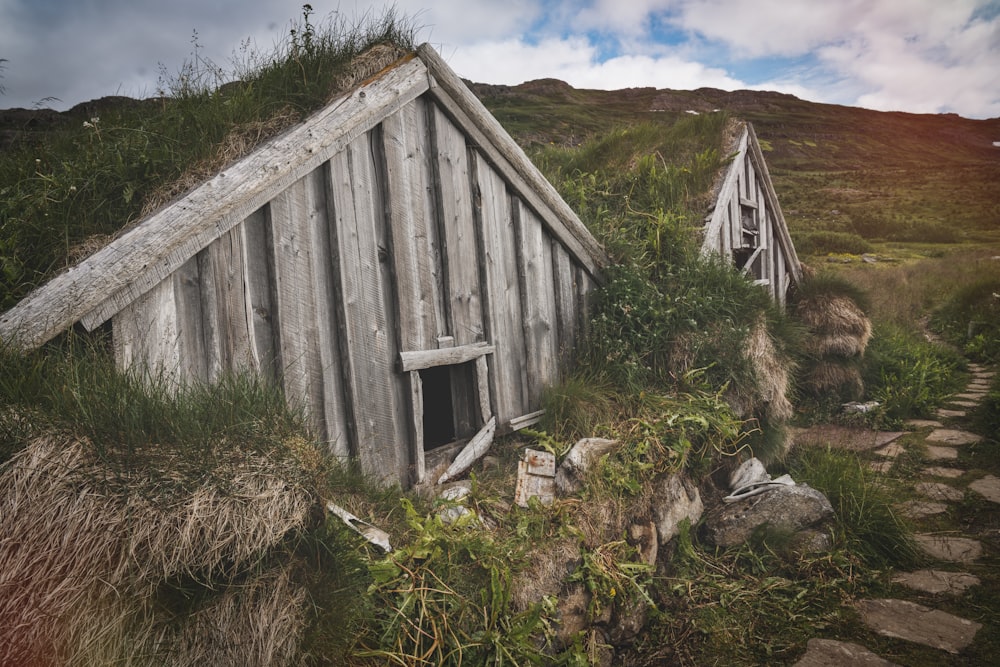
(575,61)
(917,55)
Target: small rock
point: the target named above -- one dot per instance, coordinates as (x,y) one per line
(831,653)
(918,509)
(922,423)
(454,492)
(812,541)
(627,621)
(643,537)
(855,407)
(941,471)
(902,619)
(580,458)
(675,498)
(881,466)
(941,453)
(890,451)
(937,581)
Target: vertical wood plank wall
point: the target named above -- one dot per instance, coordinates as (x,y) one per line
(407,240)
(749,186)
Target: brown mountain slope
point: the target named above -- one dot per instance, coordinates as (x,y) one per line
(881,175)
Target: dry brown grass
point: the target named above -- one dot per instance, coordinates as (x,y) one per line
(773,374)
(835,375)
(835,317)
(84,542)
(258,623)
(903,293)
(839,333)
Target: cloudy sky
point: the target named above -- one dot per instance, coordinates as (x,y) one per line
(922,56)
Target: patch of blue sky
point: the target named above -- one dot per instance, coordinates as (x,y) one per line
(987,12)
(771,68)
(664,32)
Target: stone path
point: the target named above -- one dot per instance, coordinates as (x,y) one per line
(907,620)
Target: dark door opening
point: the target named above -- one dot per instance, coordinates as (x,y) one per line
(439,413)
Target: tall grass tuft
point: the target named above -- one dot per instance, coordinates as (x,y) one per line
(862,503)
(578,407)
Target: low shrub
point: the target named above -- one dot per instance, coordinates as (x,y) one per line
(825,242)
(971,319)
(908,375)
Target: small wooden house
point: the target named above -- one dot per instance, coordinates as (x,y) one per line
(746,224)
(395,262)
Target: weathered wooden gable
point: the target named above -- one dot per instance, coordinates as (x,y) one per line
(394,258)
(747,226)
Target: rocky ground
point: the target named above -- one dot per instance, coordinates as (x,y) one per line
(940,609)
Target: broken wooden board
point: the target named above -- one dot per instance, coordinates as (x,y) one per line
(472,452)
(536,478)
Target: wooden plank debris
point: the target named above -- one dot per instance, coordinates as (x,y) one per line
(536,478)
(472,452)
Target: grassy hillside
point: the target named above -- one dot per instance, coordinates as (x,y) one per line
(879,176)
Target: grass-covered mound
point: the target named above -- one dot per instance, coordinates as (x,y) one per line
(65,191)
(145,524)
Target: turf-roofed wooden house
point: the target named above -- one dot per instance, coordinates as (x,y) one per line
(746,225)
(395,262)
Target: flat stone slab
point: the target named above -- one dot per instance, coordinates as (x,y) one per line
(963,403)
(953,436)
(881,466)
(971,395)
(939,491)
(857,439)
(890,451)
(914,622)
(941,453)
(831,653)
(937,581)
(922,423)
(944,413)
(918,509)
(952,549)
(942,471)
(988,487)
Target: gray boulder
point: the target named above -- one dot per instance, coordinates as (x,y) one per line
(675,498)
(785,508)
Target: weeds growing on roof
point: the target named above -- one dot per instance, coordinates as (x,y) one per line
(63,196)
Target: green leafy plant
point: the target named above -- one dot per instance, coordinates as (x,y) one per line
(444,598)
(909,376)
